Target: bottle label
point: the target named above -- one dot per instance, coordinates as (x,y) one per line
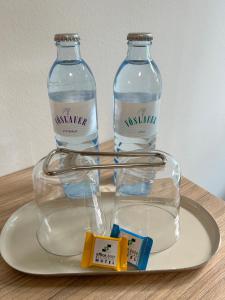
(136,119)
(74,119)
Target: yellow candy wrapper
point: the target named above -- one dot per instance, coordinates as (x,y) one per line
(105,252)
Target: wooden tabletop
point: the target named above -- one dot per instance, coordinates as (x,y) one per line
(204,283)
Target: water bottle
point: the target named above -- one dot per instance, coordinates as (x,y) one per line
(137,91)
(72,95)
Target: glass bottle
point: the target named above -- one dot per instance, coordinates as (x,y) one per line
(137,91)
(72,94)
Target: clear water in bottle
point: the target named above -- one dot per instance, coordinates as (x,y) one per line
(137,92)
(72,95)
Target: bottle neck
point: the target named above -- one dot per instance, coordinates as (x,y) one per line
(139,50)
(68,51)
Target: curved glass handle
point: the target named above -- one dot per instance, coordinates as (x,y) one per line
(153,154)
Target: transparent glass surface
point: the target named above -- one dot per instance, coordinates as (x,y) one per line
(64,219)
(149,205)
(137,89)
(72,95)
(70,82)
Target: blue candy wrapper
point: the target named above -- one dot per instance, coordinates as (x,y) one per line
(139,247)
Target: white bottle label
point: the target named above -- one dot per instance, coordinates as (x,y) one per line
(136,119)
(74,119)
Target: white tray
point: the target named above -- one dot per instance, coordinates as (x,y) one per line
(199,241)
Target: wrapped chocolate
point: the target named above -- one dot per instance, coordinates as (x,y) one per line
(105,252)
(139,247)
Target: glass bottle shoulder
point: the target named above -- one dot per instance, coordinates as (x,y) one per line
(142,76)
(72,73)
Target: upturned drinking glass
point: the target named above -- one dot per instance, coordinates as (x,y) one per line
(147,200)
(64,219)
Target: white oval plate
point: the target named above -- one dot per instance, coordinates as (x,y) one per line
(199,241)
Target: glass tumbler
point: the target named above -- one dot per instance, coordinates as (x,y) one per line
(147,200)
(68,202)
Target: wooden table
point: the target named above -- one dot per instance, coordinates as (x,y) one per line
(205,283)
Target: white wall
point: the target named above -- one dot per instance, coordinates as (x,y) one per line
(189,47)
